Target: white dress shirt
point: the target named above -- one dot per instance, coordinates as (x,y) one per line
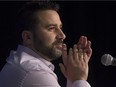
(25,68)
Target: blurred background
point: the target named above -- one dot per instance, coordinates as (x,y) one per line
(96,20)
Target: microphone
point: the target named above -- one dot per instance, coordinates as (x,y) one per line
(108,60)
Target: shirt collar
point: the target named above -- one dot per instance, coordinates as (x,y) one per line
(28,52)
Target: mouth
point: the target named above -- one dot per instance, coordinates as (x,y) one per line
(58,46)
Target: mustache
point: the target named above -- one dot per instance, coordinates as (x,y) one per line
(58,42)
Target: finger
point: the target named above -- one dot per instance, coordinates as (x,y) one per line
(84,42)
(75,52)
(88,49)
(85,58)
(64,54)
(80,54)
(80,40)
(88,44)
(70,57)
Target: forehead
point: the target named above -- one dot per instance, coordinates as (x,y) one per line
(48,16)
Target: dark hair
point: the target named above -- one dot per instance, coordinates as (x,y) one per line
(25,19)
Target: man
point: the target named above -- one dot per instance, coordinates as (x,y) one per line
(40,28)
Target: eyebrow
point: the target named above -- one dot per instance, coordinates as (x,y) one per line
(54,25)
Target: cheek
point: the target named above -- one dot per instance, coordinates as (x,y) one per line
(47,38)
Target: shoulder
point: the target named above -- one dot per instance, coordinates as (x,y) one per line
(32,65)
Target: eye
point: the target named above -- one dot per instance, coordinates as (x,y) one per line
(61,28)
(52,28)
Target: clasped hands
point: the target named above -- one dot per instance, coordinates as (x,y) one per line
(76,60)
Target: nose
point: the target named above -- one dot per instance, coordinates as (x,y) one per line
(61,34)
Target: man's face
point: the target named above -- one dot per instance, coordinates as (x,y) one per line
(48,36)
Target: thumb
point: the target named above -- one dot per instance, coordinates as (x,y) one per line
(63,69)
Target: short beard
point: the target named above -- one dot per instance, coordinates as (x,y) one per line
(50,52)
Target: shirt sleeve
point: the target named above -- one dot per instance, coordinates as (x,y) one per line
(40,79)
(78,83)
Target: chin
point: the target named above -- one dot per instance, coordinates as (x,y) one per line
(57,53)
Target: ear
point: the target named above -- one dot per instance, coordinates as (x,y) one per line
(27,37)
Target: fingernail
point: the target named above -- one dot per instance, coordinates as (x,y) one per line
(64,47)
(75,46)
(70,49)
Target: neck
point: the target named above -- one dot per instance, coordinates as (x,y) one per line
(39,53)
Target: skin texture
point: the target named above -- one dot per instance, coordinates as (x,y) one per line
(76,60)
(47,41)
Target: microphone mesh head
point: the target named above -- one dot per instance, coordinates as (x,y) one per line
(106,59)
